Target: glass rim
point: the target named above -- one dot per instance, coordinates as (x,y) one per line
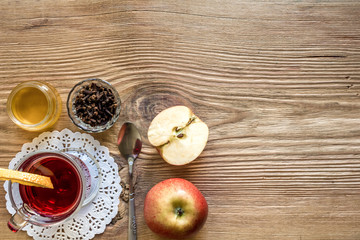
(94,161)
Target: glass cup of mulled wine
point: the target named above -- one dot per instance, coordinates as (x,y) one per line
(44,206)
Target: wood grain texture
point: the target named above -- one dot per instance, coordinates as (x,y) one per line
(278,83)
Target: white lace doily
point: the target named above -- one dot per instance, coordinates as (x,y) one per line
(92,218)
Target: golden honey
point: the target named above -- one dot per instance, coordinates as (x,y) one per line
(34,105)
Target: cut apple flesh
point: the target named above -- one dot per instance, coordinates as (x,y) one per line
(178,134)
(162,127)
(185,149)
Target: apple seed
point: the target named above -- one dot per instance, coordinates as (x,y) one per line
(180,135)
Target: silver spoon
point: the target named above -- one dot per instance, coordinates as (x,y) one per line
(129,145)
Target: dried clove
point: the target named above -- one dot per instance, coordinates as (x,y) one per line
(95,105)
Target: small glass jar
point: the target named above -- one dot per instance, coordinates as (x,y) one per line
(78,120)
(34,105)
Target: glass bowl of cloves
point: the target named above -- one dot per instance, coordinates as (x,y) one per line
(93,105)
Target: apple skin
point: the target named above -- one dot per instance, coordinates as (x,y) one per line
(162,209)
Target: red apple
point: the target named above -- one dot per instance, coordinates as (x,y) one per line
(175,208)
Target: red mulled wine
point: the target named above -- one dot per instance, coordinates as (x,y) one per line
(61,201)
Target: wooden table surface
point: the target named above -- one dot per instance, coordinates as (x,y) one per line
(277,82)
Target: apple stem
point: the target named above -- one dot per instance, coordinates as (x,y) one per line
(191,120)
(179,212)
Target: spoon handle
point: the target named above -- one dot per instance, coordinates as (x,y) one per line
(132,219)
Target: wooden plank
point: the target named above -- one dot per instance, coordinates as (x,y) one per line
(276,81)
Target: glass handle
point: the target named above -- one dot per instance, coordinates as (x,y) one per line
(18,220)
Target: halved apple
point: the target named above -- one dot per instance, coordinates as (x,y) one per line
(178,135)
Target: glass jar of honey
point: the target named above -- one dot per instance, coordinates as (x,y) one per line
(34,105)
